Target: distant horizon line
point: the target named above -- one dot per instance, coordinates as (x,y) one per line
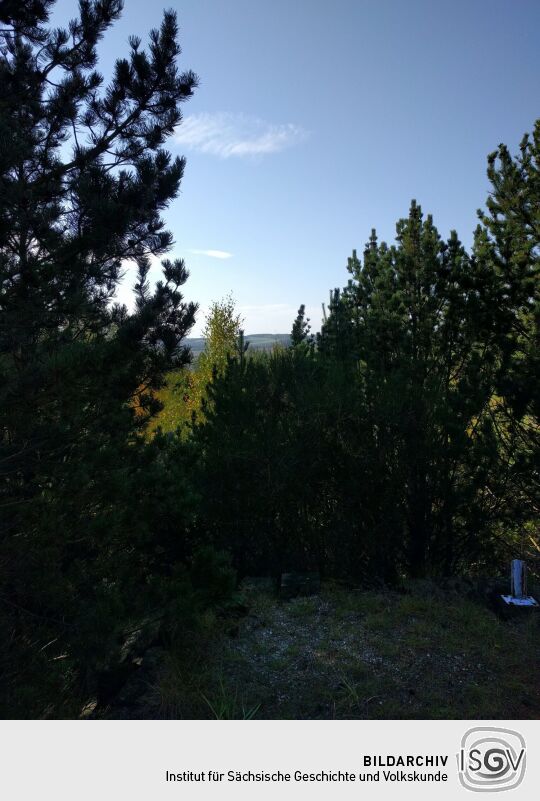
(263,334)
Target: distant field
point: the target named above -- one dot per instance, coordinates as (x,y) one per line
(256,342)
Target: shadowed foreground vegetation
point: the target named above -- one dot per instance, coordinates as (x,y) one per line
(423,653)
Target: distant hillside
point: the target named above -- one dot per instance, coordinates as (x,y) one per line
(256,342)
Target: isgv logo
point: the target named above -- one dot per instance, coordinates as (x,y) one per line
(491,759)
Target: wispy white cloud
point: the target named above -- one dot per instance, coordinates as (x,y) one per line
(214,254)
(225,134)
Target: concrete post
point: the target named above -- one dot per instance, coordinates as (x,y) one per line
(518,578)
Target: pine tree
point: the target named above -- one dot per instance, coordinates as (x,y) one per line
(420,325)
(84,180)
(301,328)
(507,247)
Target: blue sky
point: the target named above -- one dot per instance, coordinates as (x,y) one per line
(316,121)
